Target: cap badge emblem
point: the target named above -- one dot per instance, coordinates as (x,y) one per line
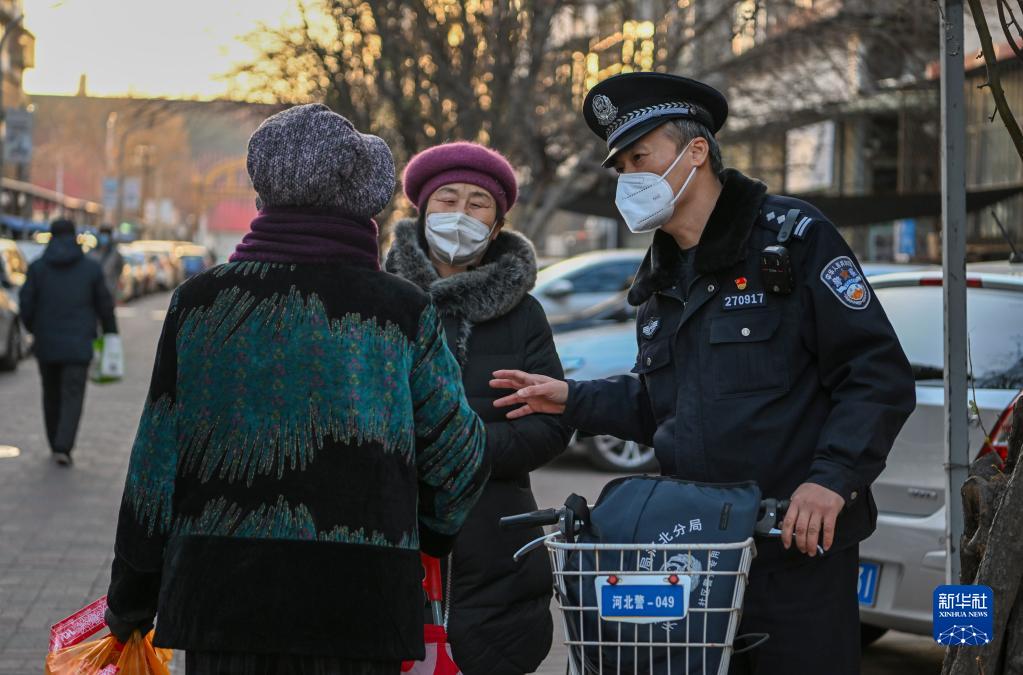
(604,110)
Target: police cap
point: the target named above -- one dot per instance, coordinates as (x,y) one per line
(624,108)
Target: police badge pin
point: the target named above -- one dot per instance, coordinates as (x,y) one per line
(651,327)
(843,278)
(604,110)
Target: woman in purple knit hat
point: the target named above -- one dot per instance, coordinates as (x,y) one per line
(479,275)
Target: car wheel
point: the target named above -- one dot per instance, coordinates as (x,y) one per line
(608,453)
(10,360)
(870,634)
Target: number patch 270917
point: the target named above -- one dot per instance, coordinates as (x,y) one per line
(744,300)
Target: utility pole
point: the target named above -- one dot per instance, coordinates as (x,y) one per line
(146,119)
(119,211)
(953,262)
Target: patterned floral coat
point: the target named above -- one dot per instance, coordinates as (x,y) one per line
(305,433)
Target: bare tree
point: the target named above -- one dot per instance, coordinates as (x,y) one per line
(513,73)
(509,73)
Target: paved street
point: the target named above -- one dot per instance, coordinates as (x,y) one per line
(57,525)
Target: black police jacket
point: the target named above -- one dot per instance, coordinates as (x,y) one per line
(741,383)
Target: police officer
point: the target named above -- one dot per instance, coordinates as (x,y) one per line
(763,355)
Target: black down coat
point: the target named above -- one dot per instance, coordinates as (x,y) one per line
(63,301)
(500,622)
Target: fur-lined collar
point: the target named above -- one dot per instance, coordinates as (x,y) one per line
(496,287)
(722,244)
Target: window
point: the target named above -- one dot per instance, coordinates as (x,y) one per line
(994,327)
(15,261)
(612,277)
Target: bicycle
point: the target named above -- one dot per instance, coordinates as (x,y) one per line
(640,616)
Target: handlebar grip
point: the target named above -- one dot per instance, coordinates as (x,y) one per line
(772,513)
(533,519)
(432,582)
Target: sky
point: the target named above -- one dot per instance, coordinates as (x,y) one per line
(173,48)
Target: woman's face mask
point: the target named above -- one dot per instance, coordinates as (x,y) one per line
(646,200)
(456,238)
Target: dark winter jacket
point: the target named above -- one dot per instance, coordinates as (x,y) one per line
(63,301)
(500,619)
(305,434)
(740,382)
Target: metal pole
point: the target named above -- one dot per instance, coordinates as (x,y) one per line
(953,217)
(119,206)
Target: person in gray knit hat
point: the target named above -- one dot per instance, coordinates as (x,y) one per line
(311,156)
(305,435)
(319,182)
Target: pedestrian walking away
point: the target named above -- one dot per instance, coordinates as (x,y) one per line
(306,433)
(63,302)
(762,355)
(479,274)
(109,258)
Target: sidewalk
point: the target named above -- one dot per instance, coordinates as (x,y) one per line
(57,525)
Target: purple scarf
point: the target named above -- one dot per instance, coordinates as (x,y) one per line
(309,235)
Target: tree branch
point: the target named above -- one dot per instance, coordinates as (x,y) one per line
(994,79)
(1006,24)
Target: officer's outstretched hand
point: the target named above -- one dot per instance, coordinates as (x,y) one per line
(813,509)
(533,393)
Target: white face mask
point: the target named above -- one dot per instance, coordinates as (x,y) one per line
(645,199)
(456,238)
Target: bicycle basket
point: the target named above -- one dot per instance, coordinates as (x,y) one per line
(649,530)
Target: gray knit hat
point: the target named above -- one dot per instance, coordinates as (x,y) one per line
(311,156)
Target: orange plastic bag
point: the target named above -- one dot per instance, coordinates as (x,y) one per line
(140,657)
(71,653)
(84,658)
(106,656)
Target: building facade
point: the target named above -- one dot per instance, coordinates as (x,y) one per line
(160,168)
(835,101)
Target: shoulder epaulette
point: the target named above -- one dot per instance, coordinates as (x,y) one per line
(790,222)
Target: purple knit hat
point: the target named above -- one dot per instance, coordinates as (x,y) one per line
(460,163)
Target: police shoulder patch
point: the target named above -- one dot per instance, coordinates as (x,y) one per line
(844,279)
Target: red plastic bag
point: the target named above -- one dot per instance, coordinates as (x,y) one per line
(438,659)
(71,654)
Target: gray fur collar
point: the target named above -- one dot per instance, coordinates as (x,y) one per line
(496,287)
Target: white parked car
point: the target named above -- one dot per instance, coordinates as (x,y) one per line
(903,562)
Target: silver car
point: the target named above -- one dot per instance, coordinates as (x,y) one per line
(578,284)
(904,560)
(593,354)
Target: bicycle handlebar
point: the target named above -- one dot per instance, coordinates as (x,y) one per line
(532,519)
(772,513)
